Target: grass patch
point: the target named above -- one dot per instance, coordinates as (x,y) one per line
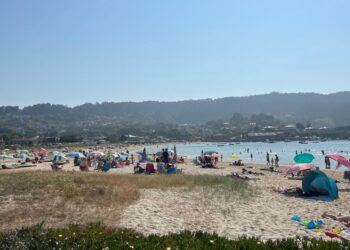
(61,198)
(97,236)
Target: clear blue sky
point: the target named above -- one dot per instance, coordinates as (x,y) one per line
(76,51)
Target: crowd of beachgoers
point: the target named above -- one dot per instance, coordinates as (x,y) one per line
(291,200)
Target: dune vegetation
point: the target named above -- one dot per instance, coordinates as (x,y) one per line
(57,199)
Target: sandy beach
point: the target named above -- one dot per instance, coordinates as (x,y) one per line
(267,214)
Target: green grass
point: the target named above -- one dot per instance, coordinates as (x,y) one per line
(97,236)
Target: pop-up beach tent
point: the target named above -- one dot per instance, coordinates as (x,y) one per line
(317,185)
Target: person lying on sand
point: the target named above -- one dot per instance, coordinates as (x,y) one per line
(244,171)
(238,163)
(345,219)
(291,191)
(243,177)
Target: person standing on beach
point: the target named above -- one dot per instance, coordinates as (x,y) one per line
(327,162)
(166,156)
(267,159)
(277,159)
(251,156)
(132,159)
(163,154)
(222,157)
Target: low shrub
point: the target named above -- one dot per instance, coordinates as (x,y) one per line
(97,236)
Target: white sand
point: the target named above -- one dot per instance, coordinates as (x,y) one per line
(266,215)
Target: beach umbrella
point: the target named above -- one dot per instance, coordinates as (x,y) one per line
(341,160)
(95,154)
(297,168)
(304,158)
(75,154)
(215,155)
(43,153)
(234,156)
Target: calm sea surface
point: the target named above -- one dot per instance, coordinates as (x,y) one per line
(285,150)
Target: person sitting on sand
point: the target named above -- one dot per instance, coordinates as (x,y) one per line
(138,169)
(99,164)
(83,165)
(208,162)
(238,163)
(160,166)
(76,161)
(182,161)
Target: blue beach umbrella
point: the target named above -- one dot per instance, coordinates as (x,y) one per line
(304,158)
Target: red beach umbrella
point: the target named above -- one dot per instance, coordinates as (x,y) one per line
(341,160)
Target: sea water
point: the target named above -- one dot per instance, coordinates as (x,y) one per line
(286,151)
